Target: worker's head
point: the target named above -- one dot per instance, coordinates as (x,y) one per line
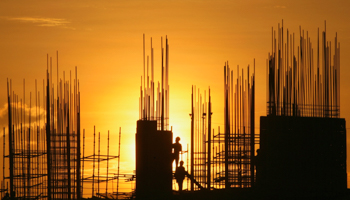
(177,139)
(181,163)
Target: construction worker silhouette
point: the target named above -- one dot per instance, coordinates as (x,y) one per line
(180,174)
(177,148)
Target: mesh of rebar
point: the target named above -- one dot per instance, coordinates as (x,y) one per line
(299,84)
(44,140)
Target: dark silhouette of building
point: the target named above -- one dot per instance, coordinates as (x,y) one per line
(153,137)
(302,153)
(302,138)
(153,161)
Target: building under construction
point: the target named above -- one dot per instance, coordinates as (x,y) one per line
(302,142)
(153,137)
(225,159)
(303,138)
(301,148)
(218,161)
(43,157)
(44,146)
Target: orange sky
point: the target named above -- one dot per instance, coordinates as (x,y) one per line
(104,39)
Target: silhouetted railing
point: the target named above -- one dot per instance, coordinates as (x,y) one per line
(303,110)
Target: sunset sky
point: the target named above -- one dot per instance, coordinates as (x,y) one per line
(104,40)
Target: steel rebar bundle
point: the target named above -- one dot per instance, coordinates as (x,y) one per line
(300,84)
(151,107)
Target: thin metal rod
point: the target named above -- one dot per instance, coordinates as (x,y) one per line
(107,164)
(120,135)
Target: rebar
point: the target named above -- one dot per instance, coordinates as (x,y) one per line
(296,87)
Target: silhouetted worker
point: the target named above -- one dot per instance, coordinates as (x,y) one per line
(180,175)
(177,148)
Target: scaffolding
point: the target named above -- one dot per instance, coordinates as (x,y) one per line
(101,180)
(199,139)
(43,149)
(235,147)
(44,140)
(26,148)
(225,159)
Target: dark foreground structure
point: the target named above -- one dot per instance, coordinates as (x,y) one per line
(153,161)
(43,148)
(153,137)
(301,149)
(302,153)
(303,139)
(259,194)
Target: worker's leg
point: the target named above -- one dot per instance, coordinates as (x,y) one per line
(180,185)
(177,161)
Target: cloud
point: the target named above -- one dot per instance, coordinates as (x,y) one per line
(3,116)
(37,114)
(49,22)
